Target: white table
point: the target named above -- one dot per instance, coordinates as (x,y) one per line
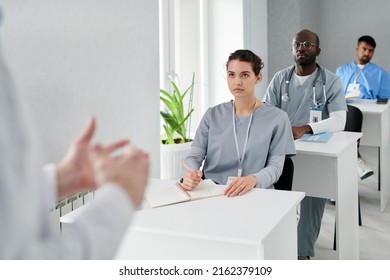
(376,133)
(259,225)
(329,170)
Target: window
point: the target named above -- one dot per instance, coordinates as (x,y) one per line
(198,36)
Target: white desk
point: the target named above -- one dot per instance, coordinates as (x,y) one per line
(376,133)
(259,225)
(329,170)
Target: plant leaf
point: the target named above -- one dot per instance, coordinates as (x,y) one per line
(174,117)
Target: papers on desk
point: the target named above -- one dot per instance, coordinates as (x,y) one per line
(318,138)
(171,192)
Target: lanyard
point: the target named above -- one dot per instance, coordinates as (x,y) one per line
(357,74)
(318,103)
(239,158)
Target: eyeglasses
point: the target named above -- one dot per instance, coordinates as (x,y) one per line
(307,45)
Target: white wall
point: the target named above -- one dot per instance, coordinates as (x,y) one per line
(74,58)
(343,22)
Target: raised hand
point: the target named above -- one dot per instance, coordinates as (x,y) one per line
(75,171)
(129,169)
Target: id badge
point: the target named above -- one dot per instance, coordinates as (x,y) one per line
(315,114)
(353,87)
(353,91)
(230,179)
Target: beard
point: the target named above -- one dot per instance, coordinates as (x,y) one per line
(305,60)
(364,60)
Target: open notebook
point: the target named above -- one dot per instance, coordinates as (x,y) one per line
(171,192)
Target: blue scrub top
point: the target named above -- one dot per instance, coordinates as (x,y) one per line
(374,81)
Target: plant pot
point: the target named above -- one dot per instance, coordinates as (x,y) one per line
(171,157)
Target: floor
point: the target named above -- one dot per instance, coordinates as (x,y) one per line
(374,234)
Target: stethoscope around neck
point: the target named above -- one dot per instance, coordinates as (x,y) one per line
(285,96)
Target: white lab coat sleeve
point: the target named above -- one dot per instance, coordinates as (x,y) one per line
(98,230)
(95,233)
(50,184)
(335,122)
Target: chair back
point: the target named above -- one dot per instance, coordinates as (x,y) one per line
(354,120)
(285,181)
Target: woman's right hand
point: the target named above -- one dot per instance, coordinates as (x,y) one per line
(191,180)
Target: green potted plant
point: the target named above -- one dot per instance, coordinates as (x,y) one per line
(176,142)
(176,119)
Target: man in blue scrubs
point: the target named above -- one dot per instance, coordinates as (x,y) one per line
(366,80)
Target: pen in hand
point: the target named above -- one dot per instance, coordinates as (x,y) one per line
(186,165)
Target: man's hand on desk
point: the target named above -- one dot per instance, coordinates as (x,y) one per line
(298,131)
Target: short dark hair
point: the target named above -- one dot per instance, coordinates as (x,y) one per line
(247,56)
(368,39)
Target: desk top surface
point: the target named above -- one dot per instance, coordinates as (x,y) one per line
(334,147)
(245,219)
(369,106)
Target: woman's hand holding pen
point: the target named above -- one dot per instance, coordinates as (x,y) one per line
(192,178)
